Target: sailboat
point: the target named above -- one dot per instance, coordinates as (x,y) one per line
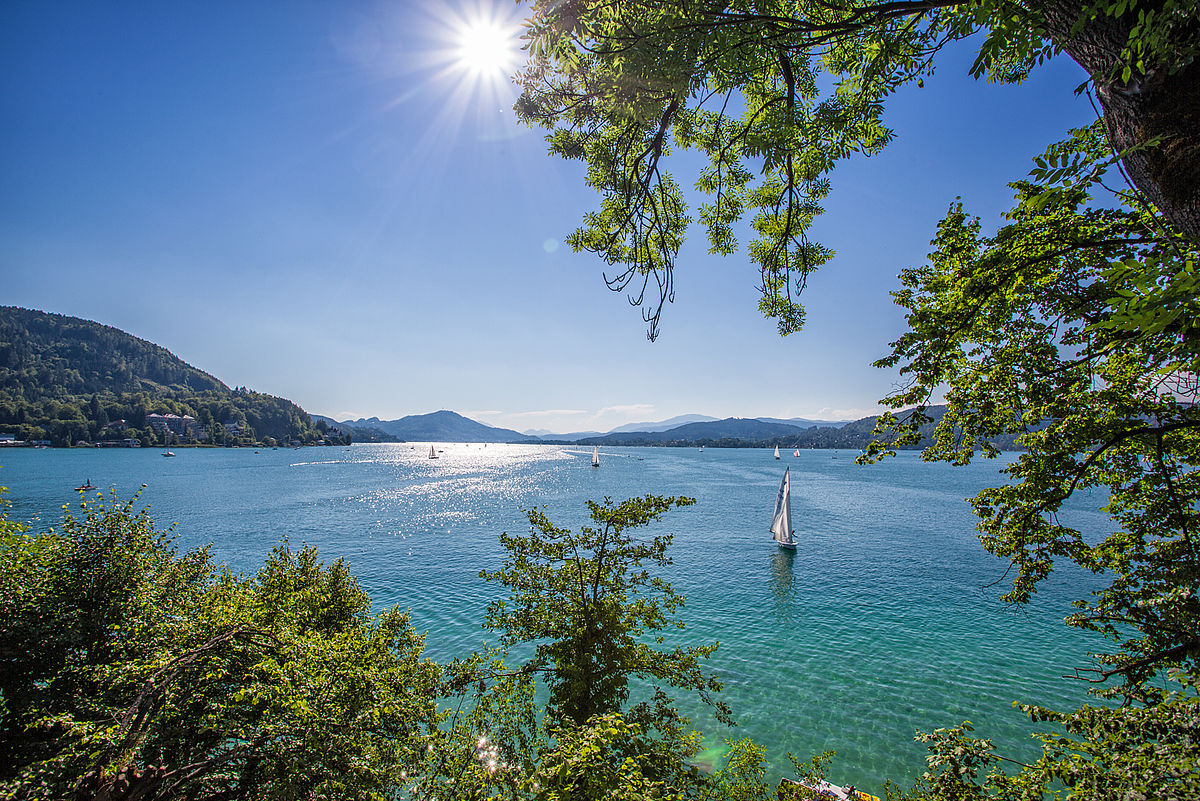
(796,452)
(596,456)
(432,453)
(776,451)
(781,522)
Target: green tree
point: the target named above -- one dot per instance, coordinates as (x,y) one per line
(1075,329)
(129,670)
(586,599)
(773,93)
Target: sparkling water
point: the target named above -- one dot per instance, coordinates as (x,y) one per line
(885,619)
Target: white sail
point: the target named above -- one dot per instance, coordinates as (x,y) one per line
(776,451)
(781,522)
(596,456)
(432,453)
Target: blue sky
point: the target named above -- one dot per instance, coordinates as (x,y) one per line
(316,200)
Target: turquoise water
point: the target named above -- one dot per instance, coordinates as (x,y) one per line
(880,624)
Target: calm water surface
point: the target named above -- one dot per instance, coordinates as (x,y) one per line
(880,624)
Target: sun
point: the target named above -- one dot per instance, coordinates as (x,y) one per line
(487,48)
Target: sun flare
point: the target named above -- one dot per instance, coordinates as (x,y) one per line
(487,48)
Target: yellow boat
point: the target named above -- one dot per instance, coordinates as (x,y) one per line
(793,790)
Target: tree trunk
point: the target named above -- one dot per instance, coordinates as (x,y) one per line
(1156,104)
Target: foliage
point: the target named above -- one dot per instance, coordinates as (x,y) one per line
(585,599)
(1098,752)
(1039,331)
(596,617)
(605,758)
(490,733)
(772,94)
(1073,328)
(65,379)
(743,777)
(129,671)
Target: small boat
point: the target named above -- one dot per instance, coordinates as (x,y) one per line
(432,453)
(776,451)
(84,487)
(796,452)
(821,791)
(172,453)
(596,456)
(781,521)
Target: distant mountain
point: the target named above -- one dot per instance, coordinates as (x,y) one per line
(664,425)
(361,433)
(661,425)
(442,426)
(740,428)
(671,424)
(802,422)
(745,433)
(550,436)
(66,380)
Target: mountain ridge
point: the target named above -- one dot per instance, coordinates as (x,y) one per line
(732,432)
(440,426)
(66,380)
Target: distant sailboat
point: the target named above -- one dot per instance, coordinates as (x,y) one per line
(432,453)
(596,456)
(781,522)
(776,451)
(796,452)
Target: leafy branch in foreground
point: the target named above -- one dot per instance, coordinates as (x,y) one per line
(773,94)
(129,670)
(1073,328)
(1045,330)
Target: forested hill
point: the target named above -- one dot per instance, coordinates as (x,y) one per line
(66,380)
(753,433)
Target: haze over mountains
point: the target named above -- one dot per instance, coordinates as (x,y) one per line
(732,432)
(440,426)
(448,426)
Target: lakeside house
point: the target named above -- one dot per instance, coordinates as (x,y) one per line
(10,440)
(180,425)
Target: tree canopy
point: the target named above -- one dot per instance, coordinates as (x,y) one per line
(586,600)
(129,670)
(774,93)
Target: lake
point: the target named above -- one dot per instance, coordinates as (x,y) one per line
(881,623)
